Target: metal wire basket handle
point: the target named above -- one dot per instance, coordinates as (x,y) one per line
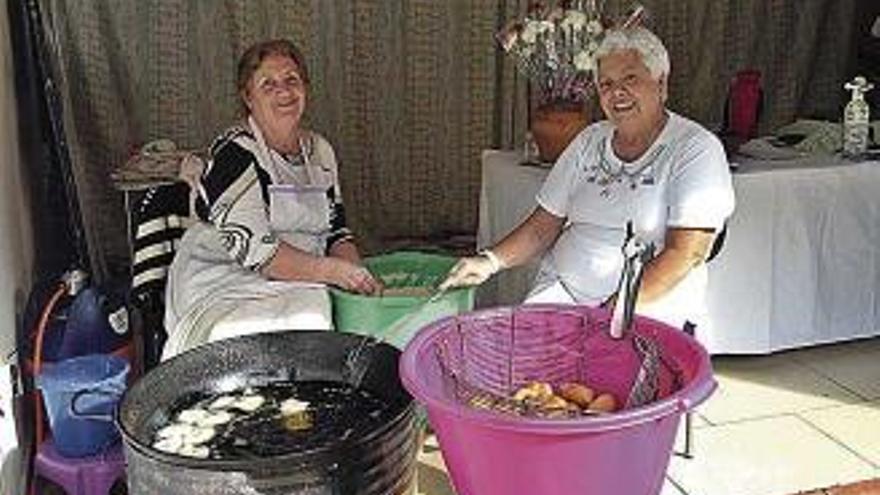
(636,254)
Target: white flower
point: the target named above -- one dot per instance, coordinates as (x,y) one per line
(594,27)
(574,19)
(530,32)
(533,28)
(546,26)
(584,61)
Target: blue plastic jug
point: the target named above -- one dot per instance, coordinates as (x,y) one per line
(97,323)
(80,395)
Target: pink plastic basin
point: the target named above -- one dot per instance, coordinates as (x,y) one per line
(501,349)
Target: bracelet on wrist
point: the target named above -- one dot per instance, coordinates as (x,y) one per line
(494,260)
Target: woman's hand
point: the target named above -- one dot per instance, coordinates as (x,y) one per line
(290,263)
(473,270)
(351,277)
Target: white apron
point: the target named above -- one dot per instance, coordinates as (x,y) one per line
(210,297)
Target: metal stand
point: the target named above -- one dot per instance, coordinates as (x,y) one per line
(688,451)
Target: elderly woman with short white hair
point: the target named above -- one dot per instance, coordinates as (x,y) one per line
(645,164)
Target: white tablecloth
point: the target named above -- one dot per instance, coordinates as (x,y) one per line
(801,264)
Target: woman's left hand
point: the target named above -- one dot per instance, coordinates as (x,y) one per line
(366,283)
(353,277)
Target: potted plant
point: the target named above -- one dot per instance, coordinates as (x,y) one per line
(555,45)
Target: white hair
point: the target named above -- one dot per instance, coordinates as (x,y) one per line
(640,39)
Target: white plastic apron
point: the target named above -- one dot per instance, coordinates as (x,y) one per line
(300,215)
(299,208)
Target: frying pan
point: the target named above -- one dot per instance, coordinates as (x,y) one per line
(379,462)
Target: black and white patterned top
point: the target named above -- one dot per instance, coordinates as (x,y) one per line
(235,192)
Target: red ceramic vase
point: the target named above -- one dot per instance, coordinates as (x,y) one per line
(553,127)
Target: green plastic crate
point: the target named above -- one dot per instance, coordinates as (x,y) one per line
(371,315)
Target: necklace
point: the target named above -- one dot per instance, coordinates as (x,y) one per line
(606,174)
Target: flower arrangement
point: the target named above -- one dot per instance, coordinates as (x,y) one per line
(555,45)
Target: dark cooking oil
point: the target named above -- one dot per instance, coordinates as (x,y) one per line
(337,412)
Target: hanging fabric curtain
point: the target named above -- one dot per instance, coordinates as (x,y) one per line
(409,92)
(58,229)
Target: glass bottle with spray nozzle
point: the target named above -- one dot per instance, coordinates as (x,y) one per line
(856,118)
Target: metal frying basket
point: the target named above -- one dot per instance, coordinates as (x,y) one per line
(486,358)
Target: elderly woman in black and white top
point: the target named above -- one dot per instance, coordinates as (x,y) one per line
(272,233)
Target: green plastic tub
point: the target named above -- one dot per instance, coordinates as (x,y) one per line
(400,272)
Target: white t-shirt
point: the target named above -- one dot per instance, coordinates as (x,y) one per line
(682,180)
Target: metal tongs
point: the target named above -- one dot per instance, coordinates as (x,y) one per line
(636,254)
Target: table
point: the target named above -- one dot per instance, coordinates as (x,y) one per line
(800,266)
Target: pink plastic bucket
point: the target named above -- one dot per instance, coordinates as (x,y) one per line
(502,349)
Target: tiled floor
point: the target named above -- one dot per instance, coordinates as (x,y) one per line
(805,421)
